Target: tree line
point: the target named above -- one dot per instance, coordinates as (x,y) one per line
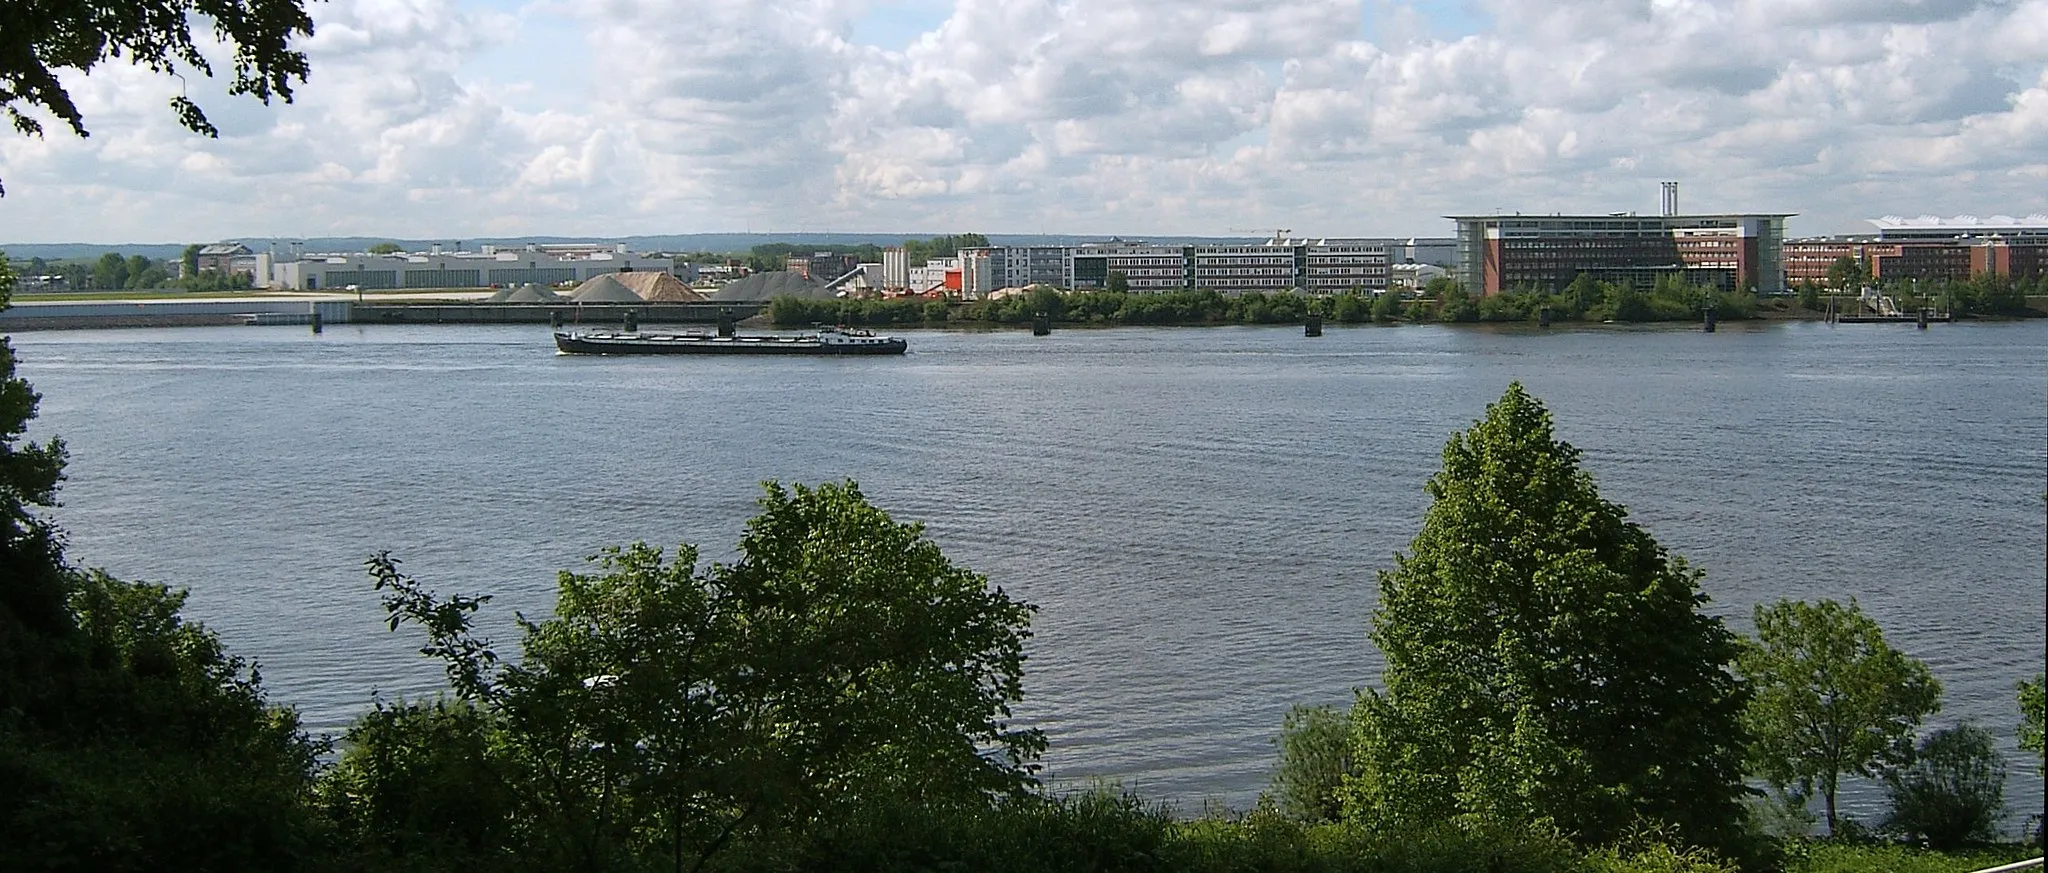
(838,696)
(1985,295)
(1442,300)
(113,271)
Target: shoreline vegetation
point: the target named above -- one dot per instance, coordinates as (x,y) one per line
(838,698)
(1586,301)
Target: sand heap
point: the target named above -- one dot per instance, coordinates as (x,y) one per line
(527,293)
(604,289)
(768,286)
(656,287)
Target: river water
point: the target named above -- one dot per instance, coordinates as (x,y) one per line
(1199,512)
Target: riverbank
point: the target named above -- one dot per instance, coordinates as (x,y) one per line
(464,306)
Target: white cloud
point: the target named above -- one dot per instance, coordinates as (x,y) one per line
(441,118)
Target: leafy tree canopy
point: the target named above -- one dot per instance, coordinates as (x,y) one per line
(40,40)
(2033,709)
(129,738)
(1548,664)
(1831,697)
(1952,792)
(668,711)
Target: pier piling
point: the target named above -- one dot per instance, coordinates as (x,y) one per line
(313,317)
(1312,325)
(1041,324)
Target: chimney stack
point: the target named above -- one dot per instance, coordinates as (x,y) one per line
(1670,198)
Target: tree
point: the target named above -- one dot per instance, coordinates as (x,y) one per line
(1583,294)
(1547,662)
(1117,283)
(667,711)
(32,589)
(2033,710)
(1315,756)
(1953,791)
(1387,306)
(1809,295)
(39,41)
(129,738)
(1848,274)
(1831,697)
(1454,304)
(384,248)
(188,263)
(110,272)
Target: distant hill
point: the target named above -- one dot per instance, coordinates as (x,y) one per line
(682,242)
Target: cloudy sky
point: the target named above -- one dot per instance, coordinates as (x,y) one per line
(468,118)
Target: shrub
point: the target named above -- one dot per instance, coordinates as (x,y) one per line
(1953,792)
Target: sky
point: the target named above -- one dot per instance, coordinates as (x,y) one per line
(601,118)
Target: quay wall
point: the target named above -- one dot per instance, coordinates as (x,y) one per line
(72,315)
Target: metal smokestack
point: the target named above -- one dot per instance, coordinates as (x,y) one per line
(1670,198)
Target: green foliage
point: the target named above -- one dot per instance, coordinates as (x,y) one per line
(32,573)
(1118,283)
(1387,307)
(1842,857)
(1830,697)
(1809,296)
(1105,831)
(385,248)
(1848,274)
(129,738)
(1454,305)
(2033,707)
(669,712)
(804,312)
(40,42)
(1952,794)
(1315,757)
(1548,664)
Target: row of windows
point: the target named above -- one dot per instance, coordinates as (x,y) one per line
(543,276)
(442,278)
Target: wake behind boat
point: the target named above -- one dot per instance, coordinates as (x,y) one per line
(829,341)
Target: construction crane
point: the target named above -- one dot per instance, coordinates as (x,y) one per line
(1278,234)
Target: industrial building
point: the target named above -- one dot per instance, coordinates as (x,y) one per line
(541,264)
(1312,266)
(1548,252)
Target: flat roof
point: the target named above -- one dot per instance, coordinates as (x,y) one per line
(2036,221)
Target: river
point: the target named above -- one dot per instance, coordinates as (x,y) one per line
(1198,512)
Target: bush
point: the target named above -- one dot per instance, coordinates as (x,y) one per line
(1315,756)
(1953,792)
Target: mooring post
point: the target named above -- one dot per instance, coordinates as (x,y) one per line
(313,317)
(555,318)
(1543,317)
(1923,318)
(725,325)
(1312,325)
(1041,324)
(1710,318)
(632,321)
